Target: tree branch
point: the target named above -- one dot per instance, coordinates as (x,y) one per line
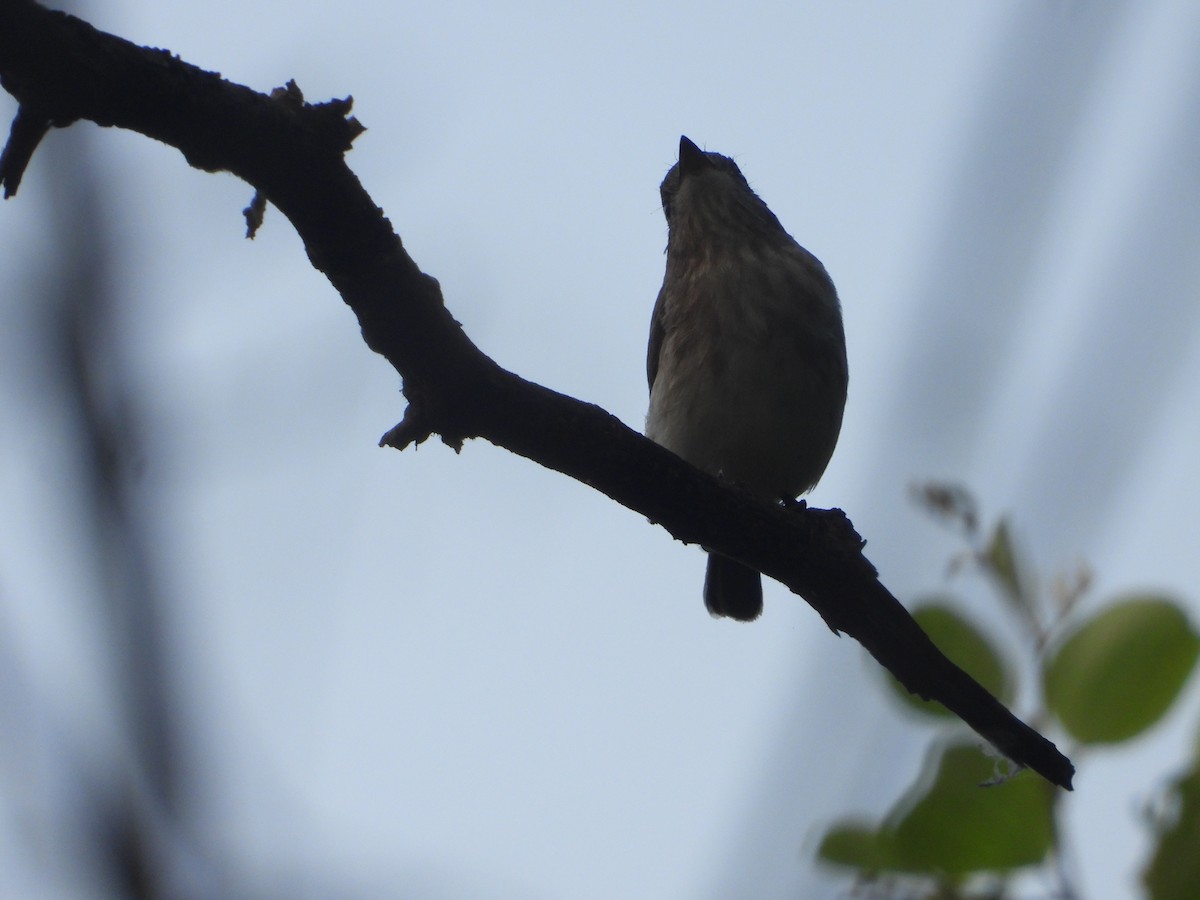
(61,69)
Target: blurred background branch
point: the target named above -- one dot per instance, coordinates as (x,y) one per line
(1006,194)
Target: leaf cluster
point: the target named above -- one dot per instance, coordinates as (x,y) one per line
(1104,679)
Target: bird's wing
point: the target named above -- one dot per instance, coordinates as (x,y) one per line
(657,332)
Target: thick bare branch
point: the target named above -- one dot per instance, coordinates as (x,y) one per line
(293,154)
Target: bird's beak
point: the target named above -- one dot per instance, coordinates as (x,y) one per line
(691,158)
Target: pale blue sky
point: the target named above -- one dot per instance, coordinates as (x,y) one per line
(466,676)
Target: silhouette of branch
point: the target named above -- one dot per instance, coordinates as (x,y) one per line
(292,153)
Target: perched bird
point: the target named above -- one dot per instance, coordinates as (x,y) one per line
(747,357)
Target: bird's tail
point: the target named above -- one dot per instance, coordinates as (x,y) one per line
(732,589)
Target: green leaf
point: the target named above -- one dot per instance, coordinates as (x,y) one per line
(1174,870)
(959,826)
(855,846)
(954,826)
(966,647)
(1000,561)
(1119,673)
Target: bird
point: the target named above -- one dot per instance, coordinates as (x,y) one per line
(746,359)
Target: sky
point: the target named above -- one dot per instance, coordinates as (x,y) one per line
(430,674)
